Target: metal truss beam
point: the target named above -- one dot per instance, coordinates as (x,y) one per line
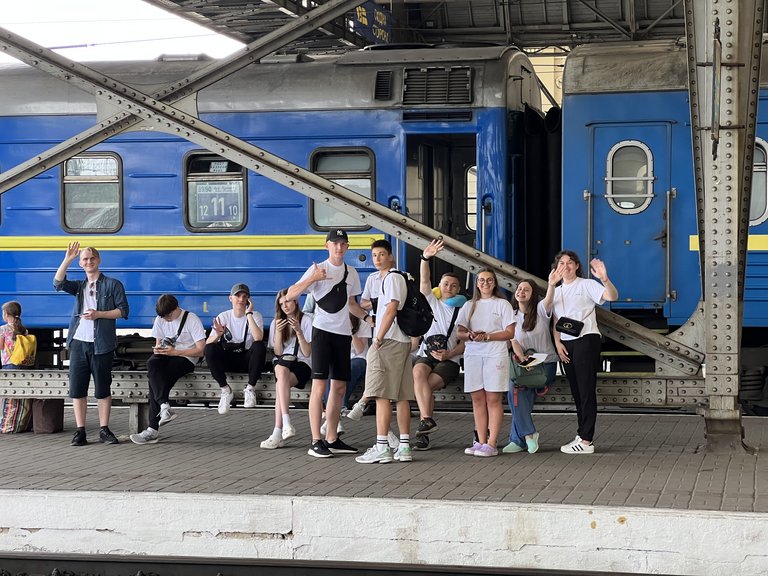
(164,117)
(172,93)
(615,25)
(724,39)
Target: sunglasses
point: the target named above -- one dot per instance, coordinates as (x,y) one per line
(92,288)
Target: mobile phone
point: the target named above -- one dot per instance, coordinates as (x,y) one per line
(526,361)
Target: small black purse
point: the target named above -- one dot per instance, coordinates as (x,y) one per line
(569,326)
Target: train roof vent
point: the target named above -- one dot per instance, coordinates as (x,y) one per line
(438,116)
(437,85)
(383,88)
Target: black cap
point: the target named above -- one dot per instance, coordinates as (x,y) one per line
(240,288)
(338,235)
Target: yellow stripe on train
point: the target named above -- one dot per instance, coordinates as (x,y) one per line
(192,242)
(755,242)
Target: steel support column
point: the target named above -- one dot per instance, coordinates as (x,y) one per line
(724,48)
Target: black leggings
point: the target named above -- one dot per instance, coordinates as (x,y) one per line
(581,372)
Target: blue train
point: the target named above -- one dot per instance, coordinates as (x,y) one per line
(454,137)
(449,136)
(628,183)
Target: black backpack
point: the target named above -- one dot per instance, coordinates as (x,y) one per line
(416,316)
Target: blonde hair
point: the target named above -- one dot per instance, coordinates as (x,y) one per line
(13,310)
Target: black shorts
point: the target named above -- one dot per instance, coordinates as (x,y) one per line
(331,356)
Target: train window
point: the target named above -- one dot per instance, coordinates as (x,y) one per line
(215,190)
(352,169)
(629,177)
(92,193)
(471,197)
(758,207)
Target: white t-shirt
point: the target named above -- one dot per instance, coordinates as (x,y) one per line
(540,338)
(364,331)
(443,316)
(192,332)
(337,322)
(237,326)
(306,328)
(372,287)
(393,288)
(577,301)
(491,315)
(85,328)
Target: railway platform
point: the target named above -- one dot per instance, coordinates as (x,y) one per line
(650,500)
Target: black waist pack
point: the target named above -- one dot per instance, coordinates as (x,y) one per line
(337,298)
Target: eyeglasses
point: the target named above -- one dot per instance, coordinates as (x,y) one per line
(92,288)
(486,281)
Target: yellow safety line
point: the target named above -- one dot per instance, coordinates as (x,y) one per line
(191,242)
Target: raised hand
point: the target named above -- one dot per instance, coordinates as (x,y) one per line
(433,248)
(318,273)
(218,326)
(555,276)
(73,251)
(598,269)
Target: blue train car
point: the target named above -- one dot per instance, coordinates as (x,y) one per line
(628,183)
(441,134)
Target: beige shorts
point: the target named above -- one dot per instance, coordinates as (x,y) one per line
(389,373)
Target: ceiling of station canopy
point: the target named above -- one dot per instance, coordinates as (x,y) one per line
(529,24)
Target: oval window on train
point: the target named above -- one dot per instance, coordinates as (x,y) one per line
(215,193)
(629,177)
(352,169)
(91,193)
(758,207)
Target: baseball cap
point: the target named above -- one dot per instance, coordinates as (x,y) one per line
(240,288)
(337,236)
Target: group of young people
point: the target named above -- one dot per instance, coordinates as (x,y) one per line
(343,339)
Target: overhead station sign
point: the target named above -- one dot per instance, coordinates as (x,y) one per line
(373,22)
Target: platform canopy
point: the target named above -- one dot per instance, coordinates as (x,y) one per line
(526,23)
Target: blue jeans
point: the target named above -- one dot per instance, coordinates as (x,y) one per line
(358,374)
(522,420)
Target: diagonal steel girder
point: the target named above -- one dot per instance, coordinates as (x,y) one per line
(172,93)
(164,117)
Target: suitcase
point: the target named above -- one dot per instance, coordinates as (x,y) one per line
(47,416)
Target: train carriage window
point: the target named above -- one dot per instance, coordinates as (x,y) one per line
(352,169)
(758,207)
(471,198)
(629,177)
(92,193)
(215,193)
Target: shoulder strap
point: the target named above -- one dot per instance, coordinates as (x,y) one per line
(245,332)
(453,322)
(183,321)
(346,272)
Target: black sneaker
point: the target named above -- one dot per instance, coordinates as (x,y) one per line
(339,447)
(370,408)
(421,443)
(79,438)
(426,426)
(319,449)
(106,436)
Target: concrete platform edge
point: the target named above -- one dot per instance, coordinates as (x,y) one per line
(551,536)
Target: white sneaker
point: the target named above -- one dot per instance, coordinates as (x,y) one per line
(404,453)
(225,401)
(271,443)
(376,454)
(324,428)
(288,431)
(166,415)
(357,411)
(577,447)
(339,428)
(250,398)
(149,436)
(393,440)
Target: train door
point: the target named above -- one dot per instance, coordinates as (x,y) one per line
(628,218)
(439,191)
